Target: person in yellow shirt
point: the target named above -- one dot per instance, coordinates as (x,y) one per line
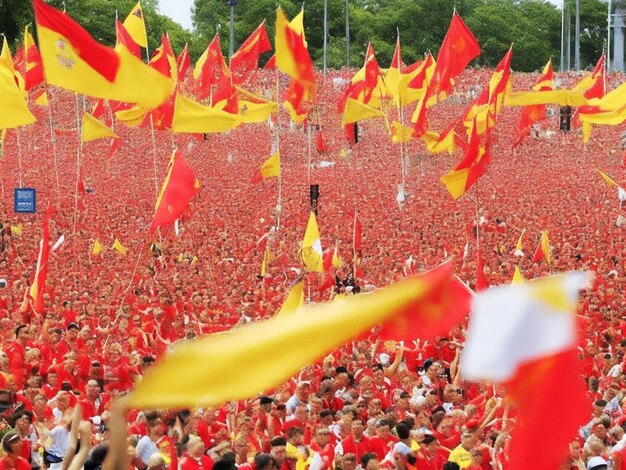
(461,453)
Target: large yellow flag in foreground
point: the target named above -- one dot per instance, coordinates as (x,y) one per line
(239,363)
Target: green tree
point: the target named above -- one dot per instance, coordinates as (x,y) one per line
(529,25)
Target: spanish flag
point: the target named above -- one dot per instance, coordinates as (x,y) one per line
(280,346)
(73,60)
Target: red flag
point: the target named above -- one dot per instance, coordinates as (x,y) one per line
(597,89)
(163,59)
(320,142)
(546,391)
(183,61)
(452,302)
(39,281)
(126,40)
(245,60)
(372,72)
(458,49)
(33,75)
(179,187)
(271,63)
(214,74)
(536,113)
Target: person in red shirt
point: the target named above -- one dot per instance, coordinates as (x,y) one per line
(356,443)
(12,445)
(194,458)
(324,450)
(430,456)
(382,443)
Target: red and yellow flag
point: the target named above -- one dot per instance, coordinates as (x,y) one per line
(186,377)
(458,49)
(472,167)
(543,249)
(73,60)
(33,75)
(123,38)
(535,113)
(292,56)
(269,169)
(245,60)
(179,187)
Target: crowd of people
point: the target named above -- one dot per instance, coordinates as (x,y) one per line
(368,405)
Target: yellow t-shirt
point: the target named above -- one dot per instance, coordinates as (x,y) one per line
(461,456)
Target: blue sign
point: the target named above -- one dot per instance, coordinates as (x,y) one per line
(25,200)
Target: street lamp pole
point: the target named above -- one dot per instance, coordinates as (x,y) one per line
(231,46)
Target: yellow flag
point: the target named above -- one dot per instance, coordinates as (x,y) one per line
(193,117)
(312,246)
(455,181)
(265,353)
(11,98)
(545,246)
(357,111)
(400,133)
(132,117)
(294,300)
(93,129)
(136,27)
(610,181)
(251,112)
(518,278)
(16,230)
(117,246)
(336,261)
(42,99)
(436,144)
(194,260)
(97,247)
(271,166)
(266,259)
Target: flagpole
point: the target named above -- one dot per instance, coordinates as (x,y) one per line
(53,140)
(19,157)
(78,155)
(123,296)
(309,149)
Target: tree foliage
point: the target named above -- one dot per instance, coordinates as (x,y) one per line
(532,26)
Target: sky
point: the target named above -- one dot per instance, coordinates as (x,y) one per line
(180,10)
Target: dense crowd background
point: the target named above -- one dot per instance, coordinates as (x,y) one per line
(369,404)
